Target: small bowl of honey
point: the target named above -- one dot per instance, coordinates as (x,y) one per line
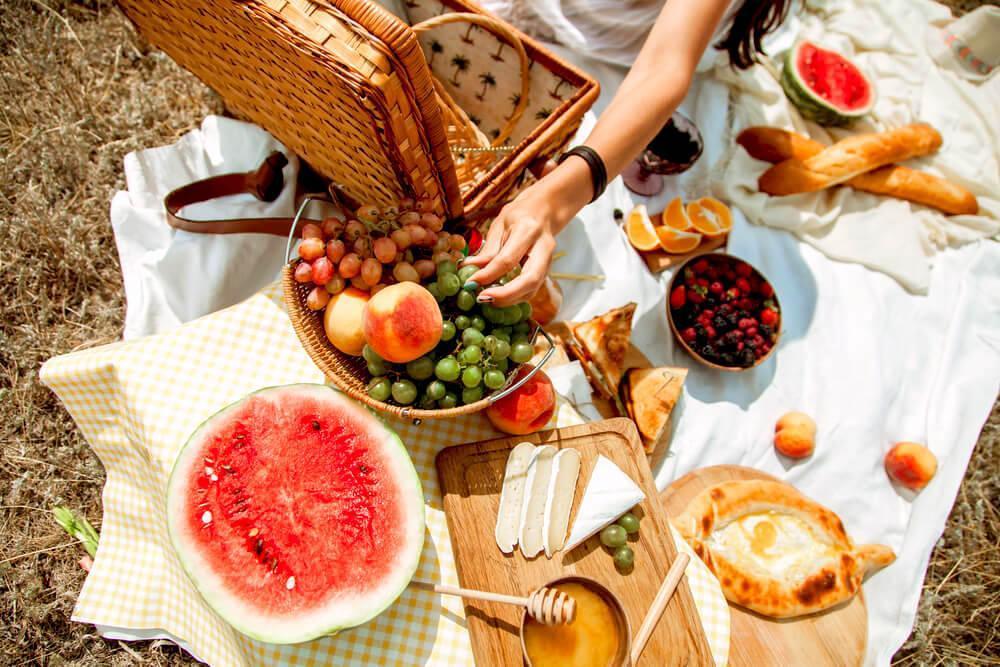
(599,635)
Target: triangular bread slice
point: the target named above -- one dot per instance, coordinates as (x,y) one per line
(604,341)
(649,396)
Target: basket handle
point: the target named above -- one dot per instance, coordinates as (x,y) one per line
(503,31)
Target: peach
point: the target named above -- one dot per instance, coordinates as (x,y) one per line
(911,465)
(402,322)
(526,410)
(342,321)
(795,435)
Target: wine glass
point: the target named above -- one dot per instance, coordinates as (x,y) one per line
(673,150)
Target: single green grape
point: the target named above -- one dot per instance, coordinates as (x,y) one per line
(467,272)
(494,379)
(465,300)
(472,337)
(471,354)
(491,313)
(502,334)
(450,400)
(526,311)
(472,376)
(521,352)
(404,392)
(490,343)
(447,369)
(369,354)
(629,522)
(479,323)
(463,322)
(613,536)
(624,558)
(520,338)
(421,368)
(426,403)
(502,365)
(502,350)
(511,315)
(376,367)
(437,390)
(446,267)
(449,284)
(379,388)
(522,328)
(448,330)
(435,291)
(471,394)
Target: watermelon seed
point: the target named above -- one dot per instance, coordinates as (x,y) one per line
(290,584)
(206,517)
(259,547)
(274,565)
(240,436)
(364,469)
(254,532)
(315,428)
(227,468)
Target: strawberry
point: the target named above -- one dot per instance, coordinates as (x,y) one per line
(743,270)
(696,294)
(677,298)
(730,276)
(701,281)
(732,293)
(768,317)
(716,288)
(743,285)
(689,335)
(701,266)
(712,274)
(766,290)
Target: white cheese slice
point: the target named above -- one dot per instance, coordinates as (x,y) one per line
(536,489)
(609,494)
(512,496)
(562,489)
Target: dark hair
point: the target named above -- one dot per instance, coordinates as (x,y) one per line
(750,24)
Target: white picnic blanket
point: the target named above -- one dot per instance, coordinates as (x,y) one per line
(870,361)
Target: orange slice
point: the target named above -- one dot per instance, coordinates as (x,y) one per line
(675,216)
(676,241)
(710,216)
(639,229)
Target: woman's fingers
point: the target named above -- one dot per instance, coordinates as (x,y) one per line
(532,276)
(514,248)
(491,244)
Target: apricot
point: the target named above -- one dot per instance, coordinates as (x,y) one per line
(342,320)
(527,409)
(402,322)
(911,464)
(795,435)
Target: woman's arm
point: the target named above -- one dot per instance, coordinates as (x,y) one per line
(653,88)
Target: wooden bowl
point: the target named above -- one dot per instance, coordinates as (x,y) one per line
(621,621)
(719,258)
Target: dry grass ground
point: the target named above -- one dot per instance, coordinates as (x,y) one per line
(77,94)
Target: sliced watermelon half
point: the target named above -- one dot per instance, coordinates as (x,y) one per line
(825,86)
(296,513)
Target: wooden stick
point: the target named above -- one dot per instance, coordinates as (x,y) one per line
(588,277)
(474,595)
(548,606)
(667,588)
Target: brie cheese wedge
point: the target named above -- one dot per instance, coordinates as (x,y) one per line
(512,496)
(562,490)
(536,489)
(609,494)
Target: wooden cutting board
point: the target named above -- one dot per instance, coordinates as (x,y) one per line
(836,637)
(471,477)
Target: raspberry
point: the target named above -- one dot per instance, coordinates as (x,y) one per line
(766,290)
(751,332)
(746,323)
(701,266)
(743,270)
(701,281)
(730,276)
(689,335)
(743,285)
(677,297)
(712,274)
(739,346)
(710,332)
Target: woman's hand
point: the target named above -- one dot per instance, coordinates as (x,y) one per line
(527,228)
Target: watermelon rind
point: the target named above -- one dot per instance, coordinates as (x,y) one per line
(812,106)
(315,623)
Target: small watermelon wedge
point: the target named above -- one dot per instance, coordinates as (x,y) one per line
(296,513)
(825,86)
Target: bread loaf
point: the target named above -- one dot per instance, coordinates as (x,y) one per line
(847,158)
(776,145)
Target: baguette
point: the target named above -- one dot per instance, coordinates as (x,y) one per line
(847,158)
(772,144)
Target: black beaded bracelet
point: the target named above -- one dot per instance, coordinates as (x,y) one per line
(598,172)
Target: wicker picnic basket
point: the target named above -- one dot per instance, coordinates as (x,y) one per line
(454,109)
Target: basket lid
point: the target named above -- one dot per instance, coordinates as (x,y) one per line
(343,84)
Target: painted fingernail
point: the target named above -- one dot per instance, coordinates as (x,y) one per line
(484,298)
(471,285)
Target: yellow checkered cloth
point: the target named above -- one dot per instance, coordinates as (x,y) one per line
(136,402)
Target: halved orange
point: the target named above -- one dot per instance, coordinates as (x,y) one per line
(675,216)
(639,229)
(710,216)
(676,241)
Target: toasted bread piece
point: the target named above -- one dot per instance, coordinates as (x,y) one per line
(604,341)
(649,396)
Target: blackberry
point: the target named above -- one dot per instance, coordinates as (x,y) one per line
(728,359)
(747,357)
(725,309)
(720,323)
(765,331)
(707,351)
(751,343)
(731,338)
(732,319)
(700,330)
